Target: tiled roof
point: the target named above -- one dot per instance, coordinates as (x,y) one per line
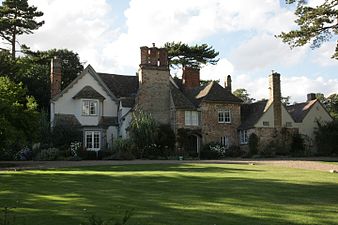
(66,120)
(107,121)
(120,85)
(180,100)
(215,92)
(89,92)
(251,113)
(298,111)
(128,102)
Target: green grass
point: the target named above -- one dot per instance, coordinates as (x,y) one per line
(194,194)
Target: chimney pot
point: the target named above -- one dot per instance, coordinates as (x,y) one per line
(311,96)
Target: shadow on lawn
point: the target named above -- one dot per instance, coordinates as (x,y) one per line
(177,197)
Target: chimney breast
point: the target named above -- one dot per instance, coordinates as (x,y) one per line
(311,96)
(228,84)
(191,77)
(275,97)
(55,76)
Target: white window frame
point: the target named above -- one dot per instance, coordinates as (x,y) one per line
(288,124)
(243,137)
(225,142)
(95,146)
(224,116)
(88,105)
(191,118)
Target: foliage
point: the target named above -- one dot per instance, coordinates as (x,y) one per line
(17,18)
(253,144)
(123,149)
(180,54)
(244,95)
(316,24)
(18,118)
(212,150)
(63,135)
(49,154)
(24,154)
(285,100)
(330,103)
(143,130)
(327,138)
(8,216)
(34,71)
(165,141)
(297,145)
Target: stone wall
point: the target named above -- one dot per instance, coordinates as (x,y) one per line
(153,95)
(212,131)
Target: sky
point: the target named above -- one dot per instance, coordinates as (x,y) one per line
(108,34)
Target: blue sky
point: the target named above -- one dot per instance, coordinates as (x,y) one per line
(108,33)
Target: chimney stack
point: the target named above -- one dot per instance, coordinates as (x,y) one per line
(311,96)
(191,77)
(227,83)
(154,57)
(55,76)
(275,97)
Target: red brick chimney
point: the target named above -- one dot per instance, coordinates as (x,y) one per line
(55,77)
(275,97)
(191,77)
(154,57)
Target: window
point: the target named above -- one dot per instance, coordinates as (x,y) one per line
(266,123)
(191,118)
(225,142)
(92,140)
(288,124)
(89,107)
(243,136)
(224,116)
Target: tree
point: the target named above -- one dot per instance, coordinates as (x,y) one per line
(180,55)
(18,118)
(34,71)
(244,95)
(17,18)
(330,103)
(316,24)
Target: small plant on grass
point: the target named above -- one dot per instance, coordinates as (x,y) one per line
(96,220)
(7,217)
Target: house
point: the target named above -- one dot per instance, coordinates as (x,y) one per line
(101,105)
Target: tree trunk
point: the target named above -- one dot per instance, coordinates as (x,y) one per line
(13,43)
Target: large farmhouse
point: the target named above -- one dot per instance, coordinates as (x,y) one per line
(101,105)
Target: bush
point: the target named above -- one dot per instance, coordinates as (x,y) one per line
(269,150)
(49,154)
(213,150)
(24,154)
(122,150)
(327,138)
(233,151)
(297,145)
(253,144)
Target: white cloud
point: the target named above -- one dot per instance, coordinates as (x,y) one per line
(322,55)
(295,86)
(265,52)
(217,72)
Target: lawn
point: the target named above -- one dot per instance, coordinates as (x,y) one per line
(182,194)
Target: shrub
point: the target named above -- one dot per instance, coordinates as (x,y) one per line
(253,144)
(297,145)
(122,150)
(233,151)
(49,154)
(269,150)
(24,154)
(327,138)
(213,150)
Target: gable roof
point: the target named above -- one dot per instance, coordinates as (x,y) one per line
(88,70)
(251,113)
(89,92)
(299,111)
(215,92)
(120,85)
(127,102)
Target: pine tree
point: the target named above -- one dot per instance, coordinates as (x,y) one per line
(17,18)
(316,24)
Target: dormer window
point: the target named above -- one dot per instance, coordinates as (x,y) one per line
(90,107)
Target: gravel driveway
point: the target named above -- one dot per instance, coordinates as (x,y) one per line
(300,163)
